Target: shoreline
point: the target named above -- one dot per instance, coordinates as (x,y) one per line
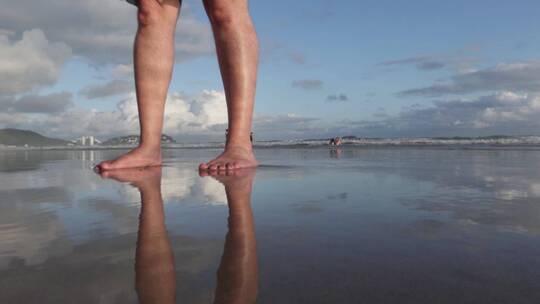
(445,146)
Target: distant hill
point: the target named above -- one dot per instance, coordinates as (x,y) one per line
(134,140)
(16,137)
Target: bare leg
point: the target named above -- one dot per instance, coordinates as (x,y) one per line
(237,276)
(153,60)
(238,51)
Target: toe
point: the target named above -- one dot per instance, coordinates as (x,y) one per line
(106,165)
(203,166)
(213,167)
(105,174)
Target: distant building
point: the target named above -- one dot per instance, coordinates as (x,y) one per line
(87,140)
(131,140)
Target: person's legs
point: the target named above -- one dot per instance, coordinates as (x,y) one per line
(238,51)
(153,60)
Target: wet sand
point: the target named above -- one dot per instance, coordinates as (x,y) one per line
(353,225)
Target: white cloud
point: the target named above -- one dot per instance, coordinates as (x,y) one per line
(511,107)
(308,84)
(100,30)
(280,126)
(31,62)
(425,63)
(51,103)
(111,88)
(204,116)
(298,58)
(499,113)
(341,97)
(122,71)
(515,76)
(199,114)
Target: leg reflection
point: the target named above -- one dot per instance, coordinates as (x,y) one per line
(237,276)
(154,261)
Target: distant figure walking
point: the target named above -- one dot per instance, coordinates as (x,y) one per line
(237,50)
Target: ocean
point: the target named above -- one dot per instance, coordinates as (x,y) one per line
(373,221)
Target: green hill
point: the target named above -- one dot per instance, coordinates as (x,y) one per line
(16,137)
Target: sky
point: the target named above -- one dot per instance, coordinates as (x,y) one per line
(327,68)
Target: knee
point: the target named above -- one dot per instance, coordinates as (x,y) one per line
(222,13)
(153,12)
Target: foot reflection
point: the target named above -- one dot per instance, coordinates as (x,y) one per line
(237,276)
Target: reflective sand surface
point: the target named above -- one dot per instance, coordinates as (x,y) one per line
(357,225)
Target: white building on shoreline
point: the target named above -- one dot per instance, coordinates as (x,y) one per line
(89,140)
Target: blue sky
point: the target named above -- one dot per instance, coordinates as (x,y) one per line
(366,68)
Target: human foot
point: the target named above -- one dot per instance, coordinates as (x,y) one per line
(138,157)
(234,157)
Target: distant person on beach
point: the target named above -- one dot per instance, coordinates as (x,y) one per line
(336,141)
(237,51)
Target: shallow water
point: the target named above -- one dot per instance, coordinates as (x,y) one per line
(355,225)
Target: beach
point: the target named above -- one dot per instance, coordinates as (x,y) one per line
(355,224)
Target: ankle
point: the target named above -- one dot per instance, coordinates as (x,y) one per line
(245,144)
(150,149)
(244,139)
